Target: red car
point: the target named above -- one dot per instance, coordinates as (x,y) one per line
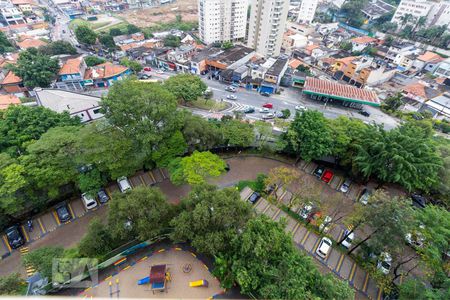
(147,69)
(327,176)
(268,105)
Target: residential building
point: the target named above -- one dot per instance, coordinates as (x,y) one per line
(85,107)
(275,73)
(397,48)
(362,42)
(416,8)
(307,11)
(294,41)
(439,106)
(10,15)
(443,70)
(297,28)
(376,9)
(24,5)
(13,84)
(7,100)
(428,61)
(267,25)
(71,74)
(416,94)
(222,20)
(30,43)
(440,14)
(104,75)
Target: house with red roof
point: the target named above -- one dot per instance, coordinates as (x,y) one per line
(362,42)
(71,74)
(7,100)
(30,43)
(104,75)
(416,94)
(13,84)
(428,61)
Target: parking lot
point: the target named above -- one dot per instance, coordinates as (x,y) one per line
(336,261)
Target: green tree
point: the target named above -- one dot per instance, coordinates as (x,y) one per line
(141,213)
(237,133)
(281,177)
(90,182)
(145,112)
(115,32)
(405,155)
(48,160)
(210,219)
(388,40)
(35,69)
(85,35)
(169,149)
(5,44)
(286,113)
(172,41)
(98,240)
(405,19)
(134,66)
(346,46)
(132,29)
(199,133)
(394,102)
(309,135)
(57,48)
(264,132)
(12,285)
(413,288)
(186,87)
(227,45)
(196,168)
(93,60)
(42,259)
(107,41)
(12,181)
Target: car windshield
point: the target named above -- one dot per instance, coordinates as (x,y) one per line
(63,211)
(385,265)
(12,234)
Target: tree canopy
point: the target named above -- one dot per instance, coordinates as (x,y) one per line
(85,35)
(237,133)
(186,87)
(35,69)
(5,44)
(57,48)
(93,60)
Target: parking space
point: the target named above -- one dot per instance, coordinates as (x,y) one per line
(136,181)
(286,198)
(360,278)
(345,268)
(112,188)
(301,164)
(147,179)
(5,249)
(261,205)
(35,233)
(334,258)
(279,215)
(245,193)
(310,167)
(354,191)
(372,289)
(336,233)
(157,175)
(165,173)
(301,233)
(77,208)
(310,241)
(291,223)
(270,211)
(49,221)
(336,181)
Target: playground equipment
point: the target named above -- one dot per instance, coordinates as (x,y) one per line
(199,283)
(158,278)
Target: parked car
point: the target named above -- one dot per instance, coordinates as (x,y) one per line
(326,224)
(88,201)
(265,94)
(102,196)
(124,184)
(231,97)
(300,108)
(347,242)
(147,69)
(63,212)
(14,236)
(365,195)
(230,89)
(346,185)
(280,115)
(418,201)
(264,110)
(268,116)
(143,76)
(249,110)
(415,238)
(324,247)
(254,197)
(384,263)
(305,210)
(365,113)
(159,71)
(327,176)
(268,105)
(319,171)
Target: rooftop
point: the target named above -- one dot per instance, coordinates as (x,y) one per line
(71,66)
(363,40)
(430,57)
(420,90)
(340,91)
(29,43)
(277,67)
(61,100)
(7,100)
(105,70)
(232,55)
(11,78)
(377,8)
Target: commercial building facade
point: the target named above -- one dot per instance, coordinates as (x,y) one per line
(307,11)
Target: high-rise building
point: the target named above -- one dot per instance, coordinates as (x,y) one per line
(222,20)
(307,11)
(440,14)
(416,8)
(266,26)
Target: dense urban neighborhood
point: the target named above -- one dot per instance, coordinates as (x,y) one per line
(245,149)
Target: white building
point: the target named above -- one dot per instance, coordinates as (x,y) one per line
(417,8)
(440,14)
(222,20)
(443,70)
(10,15)
(266,26)
(307,11)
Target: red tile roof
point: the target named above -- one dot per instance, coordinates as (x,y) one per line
(363,40)
(29,43)
(7,100)
(342,91)
(11,78)
(71,66)
(105,70)
(430,57)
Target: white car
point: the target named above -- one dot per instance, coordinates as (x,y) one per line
(416,238)
(159,71)
(231,97)
(364,199)
(347,243)
(300,108)
(384,263)
(345,186)
(88,201)
(325,226)
(305,211)
(264,110)
(324,247)
(124,184)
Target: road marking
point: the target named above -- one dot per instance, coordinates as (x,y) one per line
(366,281)
(276,214)
(56,218)
(24,250)
(379,294)
(142,180)
(25,233)
(340,183)
(340,235)
(162,173)
(352,272)
(282,195)
(316,245)
(153,177)
(71,210)
(41,226)
(295,229)
(401,278)
(305,237)
(108,192)
(7,243)
(266,208)
(339,264)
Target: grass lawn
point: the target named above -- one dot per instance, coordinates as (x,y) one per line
(209,104)
(122,26)
(93,25)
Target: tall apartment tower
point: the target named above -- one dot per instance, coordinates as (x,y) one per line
(222,20)
(266,26)
(417,8)
(307,11)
